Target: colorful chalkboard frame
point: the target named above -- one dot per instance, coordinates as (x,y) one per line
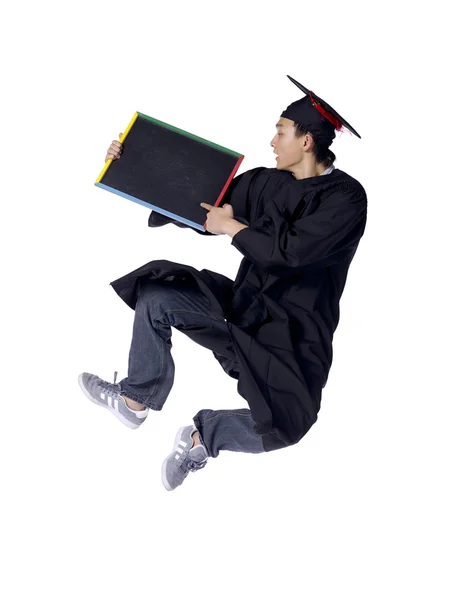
(169,170)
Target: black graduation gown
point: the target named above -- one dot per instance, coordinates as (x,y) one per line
(283,308)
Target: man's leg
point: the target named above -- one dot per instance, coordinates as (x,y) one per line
(230,430)
(133,404)
(160,306)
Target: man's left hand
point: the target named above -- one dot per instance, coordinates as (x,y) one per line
(218,217)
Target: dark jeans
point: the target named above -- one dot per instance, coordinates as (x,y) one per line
(161,306)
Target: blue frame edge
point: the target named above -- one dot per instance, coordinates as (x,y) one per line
(148,205)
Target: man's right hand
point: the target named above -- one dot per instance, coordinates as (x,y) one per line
(114,150)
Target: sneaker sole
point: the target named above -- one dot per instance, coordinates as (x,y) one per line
(164,464)
(119,415)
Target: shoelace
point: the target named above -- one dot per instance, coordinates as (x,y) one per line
(194,466)
(106,388)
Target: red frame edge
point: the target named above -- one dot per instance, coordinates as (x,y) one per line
(226,185)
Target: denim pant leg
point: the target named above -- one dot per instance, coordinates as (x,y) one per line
(228,430)
(161,306)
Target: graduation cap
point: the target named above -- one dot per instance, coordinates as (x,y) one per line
(170,171)
(317,116)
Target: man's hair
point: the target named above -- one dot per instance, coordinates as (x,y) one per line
(322,154)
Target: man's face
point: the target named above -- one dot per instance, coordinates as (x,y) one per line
(289,148)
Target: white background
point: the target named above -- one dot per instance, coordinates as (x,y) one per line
(357,509)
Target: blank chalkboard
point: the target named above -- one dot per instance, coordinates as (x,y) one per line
(169,170)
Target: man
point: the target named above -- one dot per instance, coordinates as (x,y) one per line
(298,227)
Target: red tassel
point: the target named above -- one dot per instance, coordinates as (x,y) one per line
(329,116)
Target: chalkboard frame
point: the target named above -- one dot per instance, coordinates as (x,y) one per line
(183,193)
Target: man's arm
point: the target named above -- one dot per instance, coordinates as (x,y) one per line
(158,220)
(321,239)
(233,227)
(237,195)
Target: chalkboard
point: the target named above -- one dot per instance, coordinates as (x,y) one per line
(169,170)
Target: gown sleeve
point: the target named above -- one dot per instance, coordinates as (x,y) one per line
(237,195)
(324,238)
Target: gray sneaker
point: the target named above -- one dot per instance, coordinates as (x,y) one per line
(183,459)
(108,395)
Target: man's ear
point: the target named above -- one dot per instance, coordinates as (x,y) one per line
(308,142)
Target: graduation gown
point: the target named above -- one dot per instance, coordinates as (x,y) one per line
(283,307)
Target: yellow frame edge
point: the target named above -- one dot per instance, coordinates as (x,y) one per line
(121,140)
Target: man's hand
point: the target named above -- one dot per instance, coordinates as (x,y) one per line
(218,218)
(114,150)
